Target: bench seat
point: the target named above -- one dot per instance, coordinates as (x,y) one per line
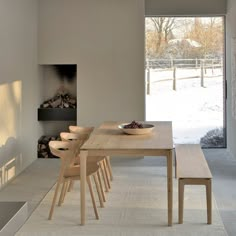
(192,169)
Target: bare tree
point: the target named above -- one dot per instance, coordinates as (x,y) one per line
(163,28)
(207,32)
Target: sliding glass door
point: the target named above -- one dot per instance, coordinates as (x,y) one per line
(185,78)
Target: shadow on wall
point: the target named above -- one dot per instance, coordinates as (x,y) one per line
(10,130)
(10,159)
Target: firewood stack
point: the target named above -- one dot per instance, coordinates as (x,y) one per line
(43,147)
(60,100)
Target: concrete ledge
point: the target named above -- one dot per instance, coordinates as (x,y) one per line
(12,216)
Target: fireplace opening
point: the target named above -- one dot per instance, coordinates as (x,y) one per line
(59,93)
(66,71)
(58,107)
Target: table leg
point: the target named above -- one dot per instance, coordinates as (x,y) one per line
(83,160)
(169,187)
(209,201)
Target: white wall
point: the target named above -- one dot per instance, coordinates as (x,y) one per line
(18,86)
(185,7)
(105,39)
(230,32)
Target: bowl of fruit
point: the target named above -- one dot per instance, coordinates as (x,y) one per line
(136,128)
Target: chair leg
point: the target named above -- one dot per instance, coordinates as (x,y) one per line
(66,190)
(92,197)
(181,201)
(209,201)
(98,190)
(101,187)
(62,193)
(103,176)
(108,162)
(71,185)
(55,197)
(106,174)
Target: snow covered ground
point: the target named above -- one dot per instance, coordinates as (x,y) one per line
(194,110)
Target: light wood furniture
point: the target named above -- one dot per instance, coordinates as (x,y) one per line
(104,162)
(192,169)
(80,129)
(76,140)
(75,143)
(69,171)
(107,164)
(108,140)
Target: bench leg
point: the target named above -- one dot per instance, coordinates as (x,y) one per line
(170,187)
(181,201)
(209,201)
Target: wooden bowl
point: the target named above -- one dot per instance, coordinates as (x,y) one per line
(147,128)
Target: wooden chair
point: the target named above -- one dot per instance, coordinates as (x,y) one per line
(80,129)
(77,141)
(105,165)
(69,171)
(89,130)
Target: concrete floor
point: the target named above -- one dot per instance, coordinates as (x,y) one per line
(223,168)
(34,183)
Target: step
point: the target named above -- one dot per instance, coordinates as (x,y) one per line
(12,216)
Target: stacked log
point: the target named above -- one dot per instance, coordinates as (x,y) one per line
(43,147)
(60,100)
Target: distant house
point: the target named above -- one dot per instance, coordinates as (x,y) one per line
(188,42)
(183,48)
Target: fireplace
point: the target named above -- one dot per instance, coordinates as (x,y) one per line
(58,108)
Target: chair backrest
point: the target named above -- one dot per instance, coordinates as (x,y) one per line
(76,141)
(63,150)
(81,129)
(66,136)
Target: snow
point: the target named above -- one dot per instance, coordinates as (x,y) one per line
(194,110)
(191,42)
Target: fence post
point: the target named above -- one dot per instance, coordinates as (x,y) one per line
(212,66)
(171,62)
(196,64)
(174,78)
(202,73)
(148,79)
(221,64)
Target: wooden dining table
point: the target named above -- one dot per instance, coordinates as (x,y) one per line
(109,140)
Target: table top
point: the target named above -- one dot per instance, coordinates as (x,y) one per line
(109,136)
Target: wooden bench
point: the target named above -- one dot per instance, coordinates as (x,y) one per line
(192,169)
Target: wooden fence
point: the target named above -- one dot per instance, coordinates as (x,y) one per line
(174,64)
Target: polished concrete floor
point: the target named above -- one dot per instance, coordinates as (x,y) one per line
(223,168)
(34,183)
